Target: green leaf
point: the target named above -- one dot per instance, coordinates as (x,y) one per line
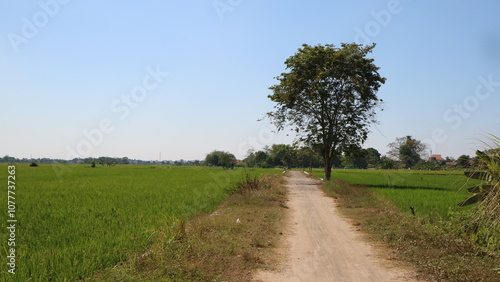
(471,200)
(481,175)
(475,189)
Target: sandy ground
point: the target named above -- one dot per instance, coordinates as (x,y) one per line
(323,246)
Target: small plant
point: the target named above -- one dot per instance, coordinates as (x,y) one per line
(33,164)
(92,164)
(246,184)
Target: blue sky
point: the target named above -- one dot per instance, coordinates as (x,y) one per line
(130,78)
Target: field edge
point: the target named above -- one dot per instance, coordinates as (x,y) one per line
(240,237)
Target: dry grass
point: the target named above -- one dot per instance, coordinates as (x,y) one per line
(227,245)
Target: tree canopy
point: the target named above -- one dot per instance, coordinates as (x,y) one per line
(282,155)
(357,157)
(464,161)
(328,96)
(220,158)
(407,150)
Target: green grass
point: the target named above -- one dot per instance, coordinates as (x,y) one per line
(214,247)
(94,218)
(433,194)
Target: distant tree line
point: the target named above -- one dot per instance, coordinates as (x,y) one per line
(98,161)
(9,159)
(409,153)
(289,156)
(282,155)
(405,153)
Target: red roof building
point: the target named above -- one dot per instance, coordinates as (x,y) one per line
(436,158)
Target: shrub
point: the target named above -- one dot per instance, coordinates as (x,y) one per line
(483,221)
(246,184)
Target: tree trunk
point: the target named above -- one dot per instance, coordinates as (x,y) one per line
(328,168)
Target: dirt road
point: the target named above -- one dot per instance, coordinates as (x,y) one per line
(322,246)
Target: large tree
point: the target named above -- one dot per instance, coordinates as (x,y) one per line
(355,157)
(372,157)
(307,157)
(220,158)
(328,96)
(407,150)
(283,155)
(464,161)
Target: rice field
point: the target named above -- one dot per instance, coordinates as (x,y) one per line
(73,224)
(433,194)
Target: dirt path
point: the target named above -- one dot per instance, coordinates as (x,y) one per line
(322,246)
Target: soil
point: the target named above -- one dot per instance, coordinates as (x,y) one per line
(321,245)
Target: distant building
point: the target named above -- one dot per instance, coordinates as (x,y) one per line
(439,159)
(435,159)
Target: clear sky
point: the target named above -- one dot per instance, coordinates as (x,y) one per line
(136,78)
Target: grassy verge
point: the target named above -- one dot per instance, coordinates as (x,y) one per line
(226,245)
(436,255)
(433,194)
